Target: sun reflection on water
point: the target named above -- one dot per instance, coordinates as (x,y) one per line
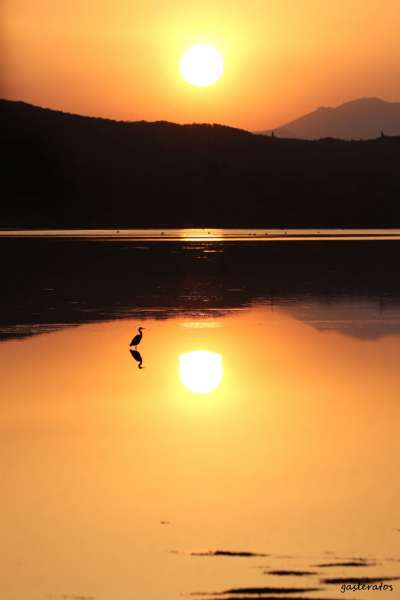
(201,371)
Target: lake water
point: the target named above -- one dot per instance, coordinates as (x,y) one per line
(207,234)
(254,455)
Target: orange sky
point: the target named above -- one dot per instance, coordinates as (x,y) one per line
(120,59)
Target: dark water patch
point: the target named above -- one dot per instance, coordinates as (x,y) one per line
(357,580)
(347,564)
(259,591)
(269,597)
(357,559)
(245,554)
(284,573)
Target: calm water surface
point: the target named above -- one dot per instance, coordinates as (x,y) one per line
(255,454)
(208,234)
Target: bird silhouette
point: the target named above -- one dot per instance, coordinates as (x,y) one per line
(138,338)
(138,357)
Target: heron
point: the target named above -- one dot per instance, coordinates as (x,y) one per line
(138,338)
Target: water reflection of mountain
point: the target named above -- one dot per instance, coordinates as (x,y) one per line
(351,287)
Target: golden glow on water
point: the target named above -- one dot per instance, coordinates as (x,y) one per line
(200,371)
(295,452)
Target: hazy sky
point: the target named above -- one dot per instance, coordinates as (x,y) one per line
(120,59)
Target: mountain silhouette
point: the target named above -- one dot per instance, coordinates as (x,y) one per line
(363,119)
(64,170)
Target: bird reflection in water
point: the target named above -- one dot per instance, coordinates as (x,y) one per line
(138,357)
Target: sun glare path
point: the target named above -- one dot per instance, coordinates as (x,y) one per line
(200,371)
(201,65)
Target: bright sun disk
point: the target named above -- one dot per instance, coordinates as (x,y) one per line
(201,65)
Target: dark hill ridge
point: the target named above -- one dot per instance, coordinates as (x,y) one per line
(364,118)
(67,170)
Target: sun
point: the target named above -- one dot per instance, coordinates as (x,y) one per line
(200,371)
(201,65)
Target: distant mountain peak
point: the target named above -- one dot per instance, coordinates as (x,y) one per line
(366,100)
(362,118)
